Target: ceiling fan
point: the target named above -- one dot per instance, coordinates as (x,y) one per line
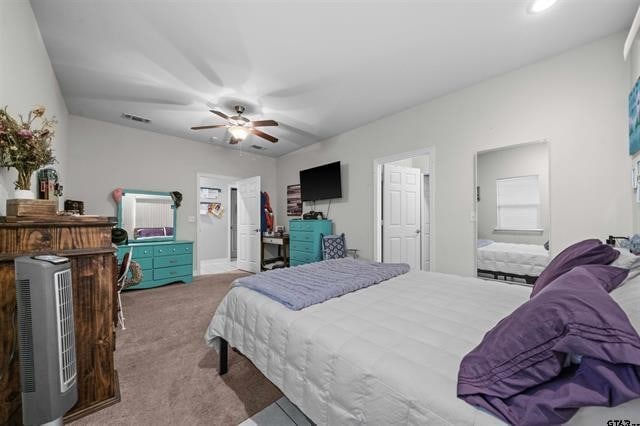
(240,127)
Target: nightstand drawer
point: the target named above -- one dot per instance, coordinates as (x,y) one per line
(301,225)
(166,261)
(174,271)
(170,249)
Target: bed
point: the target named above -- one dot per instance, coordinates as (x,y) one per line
(387,354)
(510,260)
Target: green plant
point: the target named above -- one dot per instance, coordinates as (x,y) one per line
(25,147)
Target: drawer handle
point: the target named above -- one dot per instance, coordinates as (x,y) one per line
(160,251)
(172,272)
(173,261)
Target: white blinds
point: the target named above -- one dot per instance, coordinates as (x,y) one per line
(518,203)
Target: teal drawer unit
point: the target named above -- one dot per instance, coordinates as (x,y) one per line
(305,245)
(161,262)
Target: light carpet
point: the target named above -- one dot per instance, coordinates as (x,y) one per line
(167,373)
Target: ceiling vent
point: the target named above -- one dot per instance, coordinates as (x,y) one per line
(135,118)
(258,147)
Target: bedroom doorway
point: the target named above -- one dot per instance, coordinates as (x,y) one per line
(216,209)
(403,196)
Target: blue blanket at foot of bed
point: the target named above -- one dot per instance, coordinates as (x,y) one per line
(306,285)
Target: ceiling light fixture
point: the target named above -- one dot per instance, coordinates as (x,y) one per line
(539,6)
(239,132)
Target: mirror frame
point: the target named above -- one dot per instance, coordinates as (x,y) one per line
(154,239)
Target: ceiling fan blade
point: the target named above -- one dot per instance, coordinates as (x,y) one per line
(208,127)
(220,114)
(264,123)
(264,135)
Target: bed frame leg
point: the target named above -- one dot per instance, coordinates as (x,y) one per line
(223,366)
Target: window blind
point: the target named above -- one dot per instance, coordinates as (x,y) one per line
(518,203)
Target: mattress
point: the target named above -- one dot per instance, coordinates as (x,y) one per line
(385,355)
(517,259)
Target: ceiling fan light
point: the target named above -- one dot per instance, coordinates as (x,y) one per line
(539,6)
(239,132)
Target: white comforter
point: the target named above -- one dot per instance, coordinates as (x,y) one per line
(385,355)
(518,259)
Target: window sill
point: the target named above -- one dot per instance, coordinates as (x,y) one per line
(520,231)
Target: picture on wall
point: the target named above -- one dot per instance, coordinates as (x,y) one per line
(294,200)
(634,119)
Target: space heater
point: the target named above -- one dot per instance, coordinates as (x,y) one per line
(46,338)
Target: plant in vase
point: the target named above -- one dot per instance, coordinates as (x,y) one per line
(26,146)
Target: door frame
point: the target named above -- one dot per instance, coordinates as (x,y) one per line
(229,188)
(197,216)
(377,200)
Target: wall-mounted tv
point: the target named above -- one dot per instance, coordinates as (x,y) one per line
(321,183)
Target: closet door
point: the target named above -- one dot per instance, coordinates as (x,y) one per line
(401,215)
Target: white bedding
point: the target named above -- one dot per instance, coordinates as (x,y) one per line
(385,355)
(517,259)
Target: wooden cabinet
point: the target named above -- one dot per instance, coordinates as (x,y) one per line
(87,243)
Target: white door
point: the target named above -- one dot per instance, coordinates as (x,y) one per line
(426,224)
(401,228)
(249,224)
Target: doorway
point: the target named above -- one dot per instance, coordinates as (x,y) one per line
(233,224)
(403,199)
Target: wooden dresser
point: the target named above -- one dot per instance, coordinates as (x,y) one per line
(87,243)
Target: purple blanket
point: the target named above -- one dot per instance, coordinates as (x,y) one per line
(306,285)
(568,347)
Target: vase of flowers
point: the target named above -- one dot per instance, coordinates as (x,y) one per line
(25,145)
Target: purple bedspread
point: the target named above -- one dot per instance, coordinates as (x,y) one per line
(306,285)
(570,346)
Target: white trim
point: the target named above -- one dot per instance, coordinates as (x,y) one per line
(197,215)
(633,32)
(377,201)
(229,188)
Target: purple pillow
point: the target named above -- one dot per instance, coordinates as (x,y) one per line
(573,315)
(587,252)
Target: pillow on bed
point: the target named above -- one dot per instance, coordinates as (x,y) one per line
(587,252)
(572,315)
(529,348)
(628,260)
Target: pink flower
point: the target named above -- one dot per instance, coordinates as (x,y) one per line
(25,133)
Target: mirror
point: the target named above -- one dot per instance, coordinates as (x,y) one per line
(146,215)
(512,208)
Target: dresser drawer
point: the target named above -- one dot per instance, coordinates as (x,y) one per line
(165,261)
(138,251)
(174,271)
(305,246)
(302,257)
(301,225)
(145,262)
(304,236)
(169,249)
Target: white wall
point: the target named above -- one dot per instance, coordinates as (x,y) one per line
(577,101)
(27,80)
(517,161)
(105,156)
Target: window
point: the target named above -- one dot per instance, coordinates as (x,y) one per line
(518,203)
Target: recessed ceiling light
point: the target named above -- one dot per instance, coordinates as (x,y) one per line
(539,6)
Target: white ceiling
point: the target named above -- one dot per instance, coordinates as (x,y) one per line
(317,67)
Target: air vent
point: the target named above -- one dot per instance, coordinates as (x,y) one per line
(135,118)
(258,147)
(26,336)
(66,343)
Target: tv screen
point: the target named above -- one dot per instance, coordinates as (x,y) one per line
(321,183)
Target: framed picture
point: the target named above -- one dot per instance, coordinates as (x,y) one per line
(294,200)
(634,119)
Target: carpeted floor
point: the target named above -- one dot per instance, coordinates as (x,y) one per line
(167,373)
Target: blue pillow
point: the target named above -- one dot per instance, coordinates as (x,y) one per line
(334,247)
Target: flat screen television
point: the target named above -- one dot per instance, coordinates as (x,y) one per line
(321,183)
